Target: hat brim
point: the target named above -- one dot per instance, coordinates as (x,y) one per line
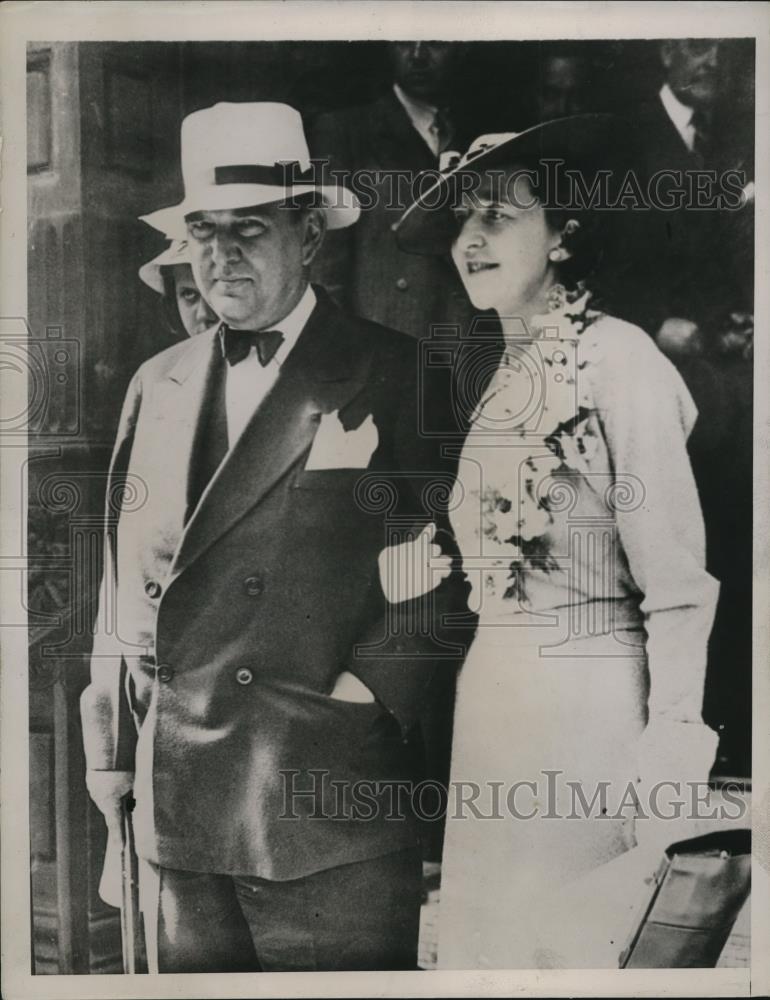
(172,256)
(586,141)
(340,205)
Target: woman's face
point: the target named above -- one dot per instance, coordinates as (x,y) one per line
(194,312)
(502,246)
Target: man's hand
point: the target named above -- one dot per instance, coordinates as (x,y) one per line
(412,569)
(679,337)
(350,688)
(107,788)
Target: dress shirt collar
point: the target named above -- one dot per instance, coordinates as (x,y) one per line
(421,115)
(293,324)
(679,114)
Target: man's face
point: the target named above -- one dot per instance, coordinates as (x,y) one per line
(692,70)
(562,87)
(423,69)
(250,263)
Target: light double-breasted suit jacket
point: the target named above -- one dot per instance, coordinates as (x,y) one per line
(222,629)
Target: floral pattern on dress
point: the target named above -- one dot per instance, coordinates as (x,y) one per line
(514,505)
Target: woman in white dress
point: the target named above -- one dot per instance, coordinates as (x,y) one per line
(578,520)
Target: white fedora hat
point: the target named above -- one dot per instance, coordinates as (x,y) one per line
(238,155)
(150,273)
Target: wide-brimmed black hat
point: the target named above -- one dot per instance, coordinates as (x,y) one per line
(587,143)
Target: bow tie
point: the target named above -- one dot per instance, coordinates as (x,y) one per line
(236,344)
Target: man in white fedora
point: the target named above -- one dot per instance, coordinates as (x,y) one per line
(256,691)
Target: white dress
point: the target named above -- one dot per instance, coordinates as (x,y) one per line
(581,532)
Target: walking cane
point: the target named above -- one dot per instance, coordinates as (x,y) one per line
(131,928)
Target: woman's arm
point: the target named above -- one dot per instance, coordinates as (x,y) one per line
(412,634)
(647,415)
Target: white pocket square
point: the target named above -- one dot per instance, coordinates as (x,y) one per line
(335,448)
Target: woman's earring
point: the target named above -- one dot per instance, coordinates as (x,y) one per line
(556,254)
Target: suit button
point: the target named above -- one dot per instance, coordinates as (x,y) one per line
(244,676)
(152,588)
(253,586)
(402,284)
(165,673)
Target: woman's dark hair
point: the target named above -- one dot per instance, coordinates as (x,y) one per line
(593,256)
(589,244)
(169,306)
(585,265)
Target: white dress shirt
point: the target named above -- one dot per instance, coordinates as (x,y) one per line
(679,114)
(248,383)
(423,118)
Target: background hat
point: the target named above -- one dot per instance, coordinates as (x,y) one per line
(237,155)
(175,253)
(587,141)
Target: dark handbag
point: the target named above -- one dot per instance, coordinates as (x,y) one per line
(697,893)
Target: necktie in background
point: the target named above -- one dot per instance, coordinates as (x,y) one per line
(442,131)
(702,138)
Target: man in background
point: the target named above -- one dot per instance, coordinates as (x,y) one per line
(689,278)
(393,139)
(564,82)
(696,290)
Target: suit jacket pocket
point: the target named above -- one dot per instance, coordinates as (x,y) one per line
(315,729)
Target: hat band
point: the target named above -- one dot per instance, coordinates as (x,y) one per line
(278,175)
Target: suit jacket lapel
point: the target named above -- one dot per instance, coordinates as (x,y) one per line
(325,371)
(396,140)
(177,409)
(671,148)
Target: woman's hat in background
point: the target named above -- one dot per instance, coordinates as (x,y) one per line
(239,155)
(585,143)
(150,273)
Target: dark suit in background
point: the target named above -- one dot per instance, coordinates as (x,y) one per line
(698,265)
(362,267)
(690,262)
(721,452)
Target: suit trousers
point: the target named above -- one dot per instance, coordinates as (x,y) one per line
(361,916)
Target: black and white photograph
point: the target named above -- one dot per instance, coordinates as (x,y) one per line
(384,499)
